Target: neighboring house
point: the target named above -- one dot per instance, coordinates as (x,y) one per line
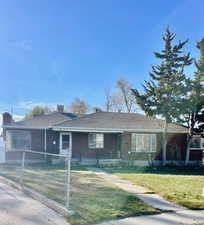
(106,136)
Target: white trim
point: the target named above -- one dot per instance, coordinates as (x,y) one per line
(201,143)
(16,149)
(95,147)
(25,127)
(110,130)
(69,150)
(45,144)
(153,148)
(100,130)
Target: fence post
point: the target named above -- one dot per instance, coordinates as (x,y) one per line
(22,169)
(68,181)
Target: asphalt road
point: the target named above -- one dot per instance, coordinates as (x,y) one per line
(18,209)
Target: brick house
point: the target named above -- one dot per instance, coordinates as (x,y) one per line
(104,136)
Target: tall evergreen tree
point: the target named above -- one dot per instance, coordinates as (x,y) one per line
(194,106)
(162,93)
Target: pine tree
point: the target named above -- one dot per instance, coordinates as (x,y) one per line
(163,92)
(195,100)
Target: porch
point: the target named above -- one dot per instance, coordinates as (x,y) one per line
(85,147)
(91,147)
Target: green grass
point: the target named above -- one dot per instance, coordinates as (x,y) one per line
(179,185)
(93,199)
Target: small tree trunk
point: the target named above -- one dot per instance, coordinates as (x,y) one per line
(188,149)
(164,143)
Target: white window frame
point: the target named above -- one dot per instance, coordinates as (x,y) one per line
(141,135)
(65,151)
(91,145)
(201,143)
(9,146)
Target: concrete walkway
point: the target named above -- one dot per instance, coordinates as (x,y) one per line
(150,198)
(178,215)
(19,209)
(176,218)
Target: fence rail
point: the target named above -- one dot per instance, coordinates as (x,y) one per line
(67,159)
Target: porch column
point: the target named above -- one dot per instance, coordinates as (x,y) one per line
(125,144)
(45,144)
(203,158)
(70,145)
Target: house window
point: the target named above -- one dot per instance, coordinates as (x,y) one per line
(18,140)
(96,140)
(65,141)
(202,143)
(196,142)
(143,142)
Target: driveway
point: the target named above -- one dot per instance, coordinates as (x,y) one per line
(18,209)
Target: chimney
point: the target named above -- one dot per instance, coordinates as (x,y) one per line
(7,118)
(60,108)
(96,109)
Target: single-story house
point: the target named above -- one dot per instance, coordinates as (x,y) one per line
(98,137)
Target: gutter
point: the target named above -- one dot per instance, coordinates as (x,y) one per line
(110,130)
(87,129)
(25,127)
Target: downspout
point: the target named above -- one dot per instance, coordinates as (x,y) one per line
(164,143)
(45,144)
(70,145)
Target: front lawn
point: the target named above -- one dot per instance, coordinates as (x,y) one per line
(93,199)
(181,186)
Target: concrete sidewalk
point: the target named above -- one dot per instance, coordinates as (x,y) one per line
(178,215)
(147,196)
(176,218)
(18,209)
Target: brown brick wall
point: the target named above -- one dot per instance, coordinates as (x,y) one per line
(80,148)
(176,148)
(37,144)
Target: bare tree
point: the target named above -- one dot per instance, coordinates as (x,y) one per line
(117,103)
(121,100)
(108,100)
(127,98)
(113,101)
(78,106)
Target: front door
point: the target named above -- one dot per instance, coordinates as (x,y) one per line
(65,143)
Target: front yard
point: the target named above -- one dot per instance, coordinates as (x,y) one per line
(181,186)
(93,199)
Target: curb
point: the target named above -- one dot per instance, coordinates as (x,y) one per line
(35,195)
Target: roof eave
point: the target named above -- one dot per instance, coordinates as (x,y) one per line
(26,127)
(111,130)
(88,129)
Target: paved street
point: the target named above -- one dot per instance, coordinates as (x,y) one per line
(19,209)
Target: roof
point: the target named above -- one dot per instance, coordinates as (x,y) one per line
(118,122)
(45,121)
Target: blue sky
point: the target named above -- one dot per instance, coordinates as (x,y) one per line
(54,51)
